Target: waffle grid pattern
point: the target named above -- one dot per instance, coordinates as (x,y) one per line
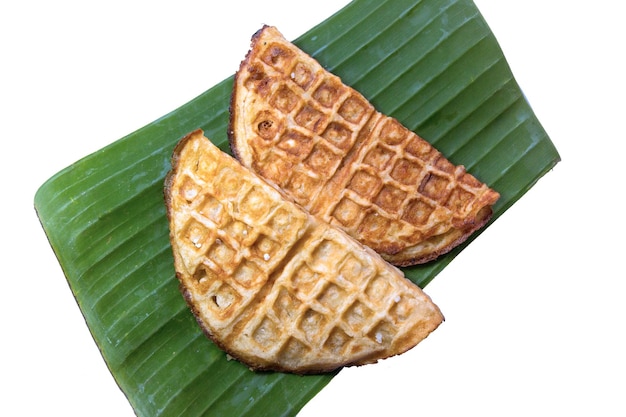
(398,189)
(327,118)
(265,272)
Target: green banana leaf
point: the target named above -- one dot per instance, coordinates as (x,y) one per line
(432,64)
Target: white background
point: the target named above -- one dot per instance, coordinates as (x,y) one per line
(534,307)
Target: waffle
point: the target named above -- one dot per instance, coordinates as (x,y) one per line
(298,126)
(272,285)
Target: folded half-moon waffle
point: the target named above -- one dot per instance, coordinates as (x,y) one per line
(297,125)
(272,285)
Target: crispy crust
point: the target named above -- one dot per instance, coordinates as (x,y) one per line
(455,217)
(167,195)
(425,316)
(232,111)
(250,361)
(405,259)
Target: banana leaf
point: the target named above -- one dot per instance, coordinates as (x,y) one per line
(433,64)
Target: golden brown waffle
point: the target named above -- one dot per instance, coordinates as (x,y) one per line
(272,285)
(324,144)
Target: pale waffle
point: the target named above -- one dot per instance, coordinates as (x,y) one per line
(272,285)
(298,126)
